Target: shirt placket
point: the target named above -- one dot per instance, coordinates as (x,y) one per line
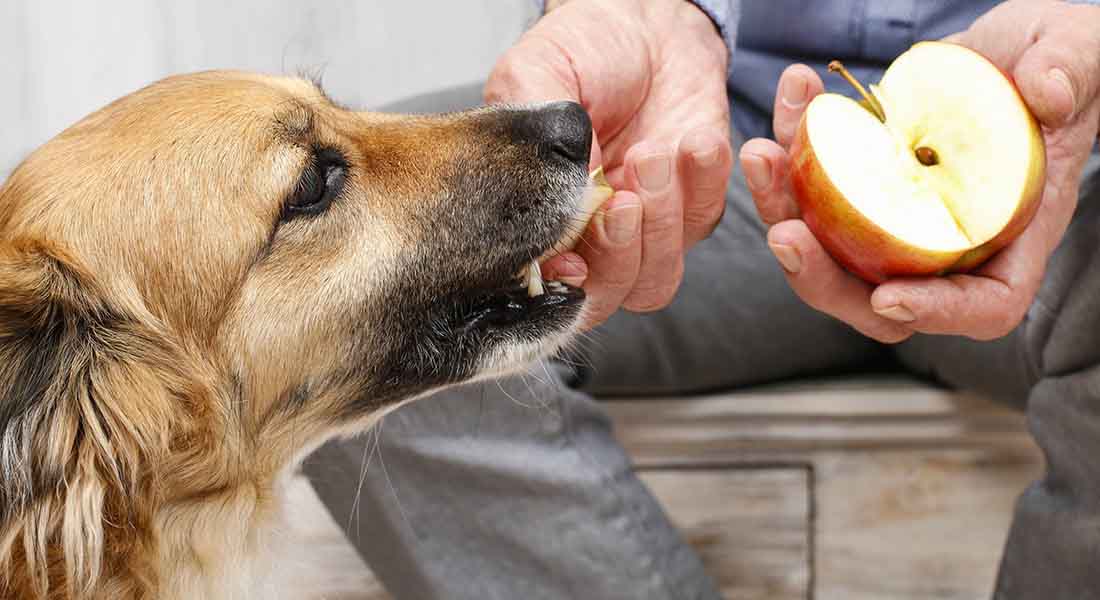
(886,28)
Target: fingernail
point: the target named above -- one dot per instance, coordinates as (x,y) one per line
(622,224)
(788,257)
(655,172)
(897,313)
(1060,86)
(575,281)
(758,172)
(707,158)
(793,93)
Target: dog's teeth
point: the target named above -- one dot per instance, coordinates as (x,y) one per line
(534,280)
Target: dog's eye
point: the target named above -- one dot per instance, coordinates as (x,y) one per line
(320,184)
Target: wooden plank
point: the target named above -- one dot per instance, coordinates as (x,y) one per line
(881,395)
(750,526)
(793,422)
(915,525)
(913,485)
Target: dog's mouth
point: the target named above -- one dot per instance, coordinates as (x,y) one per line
(512,306)
(526,298)
(501,316)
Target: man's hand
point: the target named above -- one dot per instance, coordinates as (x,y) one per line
(652,76)
(1052,51)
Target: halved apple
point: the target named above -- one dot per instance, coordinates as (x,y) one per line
(940,166)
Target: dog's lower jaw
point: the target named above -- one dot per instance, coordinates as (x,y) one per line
(514,358)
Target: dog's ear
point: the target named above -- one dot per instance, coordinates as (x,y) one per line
(82,417)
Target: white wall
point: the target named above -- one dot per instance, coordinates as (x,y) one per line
(60,60)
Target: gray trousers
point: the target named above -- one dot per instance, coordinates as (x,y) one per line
(517,489)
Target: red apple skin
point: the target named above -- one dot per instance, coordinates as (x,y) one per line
(852,239)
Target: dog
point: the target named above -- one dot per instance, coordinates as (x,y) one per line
(208,278)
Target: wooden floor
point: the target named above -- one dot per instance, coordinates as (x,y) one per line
(857,489)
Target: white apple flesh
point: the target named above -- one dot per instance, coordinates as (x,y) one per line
(952,174)
(595,194)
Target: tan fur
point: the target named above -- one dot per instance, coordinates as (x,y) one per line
(147,475)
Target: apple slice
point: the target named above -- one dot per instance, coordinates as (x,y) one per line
(596,193)
(939,167)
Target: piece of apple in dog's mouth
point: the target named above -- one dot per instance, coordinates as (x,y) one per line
(596,193)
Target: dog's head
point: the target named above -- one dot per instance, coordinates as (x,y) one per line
(211,274)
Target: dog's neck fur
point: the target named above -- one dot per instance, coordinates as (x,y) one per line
(218,543)
(212,547)
(206,540)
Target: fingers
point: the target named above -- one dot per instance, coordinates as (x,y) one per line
(982,308)
(612,249)
(651,170)
(1060,74)
(705,159)
(824,285)
(1051,49)
(797,86)
(766,167)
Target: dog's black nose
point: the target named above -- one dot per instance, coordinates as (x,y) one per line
(559,128)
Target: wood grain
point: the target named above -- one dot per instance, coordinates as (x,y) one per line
(750,526)
(912,486)
(795,422)
(914,525)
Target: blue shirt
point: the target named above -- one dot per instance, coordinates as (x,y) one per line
(765,36)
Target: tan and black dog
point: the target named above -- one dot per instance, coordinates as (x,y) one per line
(208,278)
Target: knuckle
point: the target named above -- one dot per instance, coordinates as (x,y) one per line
(817,293)
(650,296)
(813,297)
(772,209)
(1005,321)
(705,218)
(501,79)
(615,279)
(998,328)
(509,74)
(664,224)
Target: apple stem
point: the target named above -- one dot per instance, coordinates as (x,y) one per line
(838,67)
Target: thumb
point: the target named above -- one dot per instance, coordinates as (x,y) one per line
(1059,76)
(533,70)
